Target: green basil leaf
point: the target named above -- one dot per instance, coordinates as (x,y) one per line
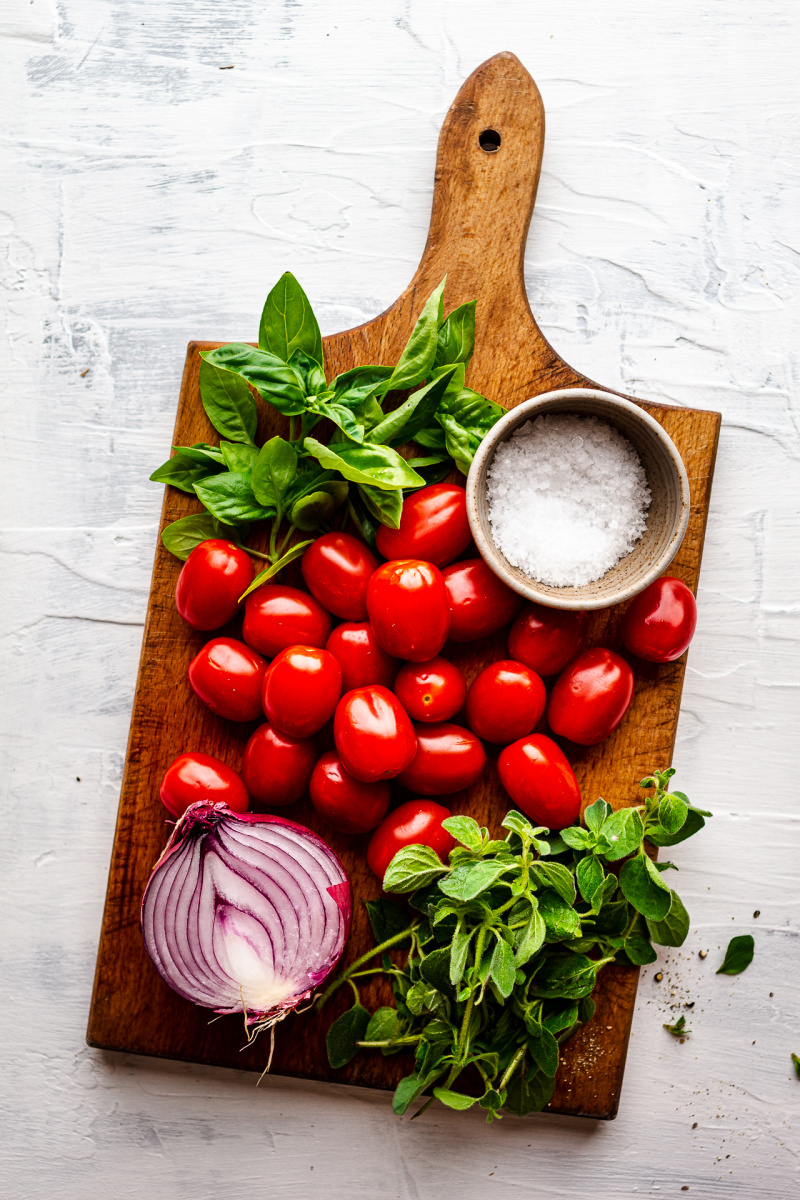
(230,498)
(386,918)
(345,1034)
(386,507)
(455,1100)
(465,830)
(590,876)
(470,880)
(644,888)
(560,918)
(503,968)
(341,416)
(382,1025)
(357,384)
(412,867)
(739,955)
(417,358)
(404,422)
(544,1052)
(296,551)
(466,417)
(312,511)
(376,466)
(672,930)
(184,473)
(238,457)
(672,813)
(695,820)
(181,537)
(274,471)
(226,398)
(555,876)
(528,1091)
(309,370)
(432,438)
(456,338)
(273,379)
(288,322)
(201,452)
(596,814)
(623,831)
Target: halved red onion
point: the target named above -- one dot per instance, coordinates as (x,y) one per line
(245,912)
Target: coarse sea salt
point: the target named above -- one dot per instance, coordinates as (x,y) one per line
(567,498)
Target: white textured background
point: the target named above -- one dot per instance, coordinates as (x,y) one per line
(147,198)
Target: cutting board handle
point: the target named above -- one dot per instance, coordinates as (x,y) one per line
(487,173)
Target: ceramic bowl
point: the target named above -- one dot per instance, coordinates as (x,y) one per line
(667,516)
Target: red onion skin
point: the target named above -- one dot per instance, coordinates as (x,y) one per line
(208,815)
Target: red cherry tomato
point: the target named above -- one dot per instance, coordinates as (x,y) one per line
(276,767)
(194,777)
(448,759)
(505,702)
(301,689)
(417,822)
(433,527)
(480,603)
(431,691)
(337,568)
(407,605)
(209,586)
(540,781)
(661,621)
(346,803)
(373,734)
(227,676)
(362,660)
(546,639)
(276,616)
(591,697)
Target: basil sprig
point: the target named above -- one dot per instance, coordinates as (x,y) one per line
(301,480)
(506,946)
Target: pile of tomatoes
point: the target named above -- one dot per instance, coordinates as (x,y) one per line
(378,681)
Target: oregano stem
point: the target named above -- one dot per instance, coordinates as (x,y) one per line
(345,976)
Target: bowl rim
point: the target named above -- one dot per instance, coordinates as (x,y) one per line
(530,588)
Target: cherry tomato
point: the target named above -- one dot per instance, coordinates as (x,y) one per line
(590,698)
(661,621)
(210,583)
(301,689)
(417,822)
(276,767)
(276,616)
(431,691)
(433,527)
(505,702)
(336,568)
(346,803)
(540,781)
(480,603)
(373,734)
(362,660)
(227,676)
(546,639)
(407,605)
(194,777)
(448,759)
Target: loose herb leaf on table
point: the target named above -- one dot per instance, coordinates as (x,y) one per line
(738,956)
(299,483)
(502,949)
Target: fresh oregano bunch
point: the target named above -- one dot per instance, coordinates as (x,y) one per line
(506,945)
(298,483)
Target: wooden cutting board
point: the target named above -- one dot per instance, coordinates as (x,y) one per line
(484,192)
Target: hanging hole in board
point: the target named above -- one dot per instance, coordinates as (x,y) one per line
(489,141)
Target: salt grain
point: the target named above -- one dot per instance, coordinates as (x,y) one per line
(567,499)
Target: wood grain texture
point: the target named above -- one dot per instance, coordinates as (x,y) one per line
(481,211)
